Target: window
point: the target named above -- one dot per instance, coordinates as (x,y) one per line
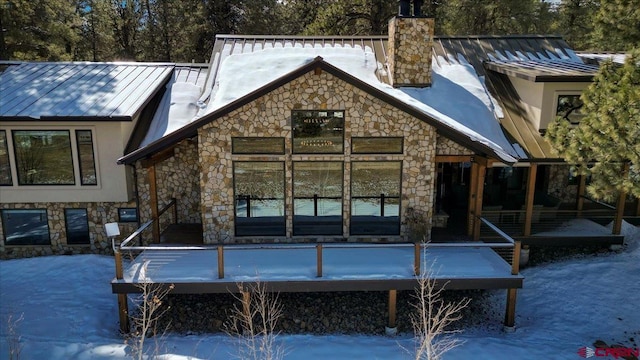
(318,131)
(85,155)
(43,157)
(376,145)
(5,167)
(570,108)
(317,198)
(77,226)
(375,197)
(259,198)
(127,215)
(25,227)
(255,145)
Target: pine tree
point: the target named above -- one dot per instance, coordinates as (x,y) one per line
(576,21)
(617,25)
(605,144)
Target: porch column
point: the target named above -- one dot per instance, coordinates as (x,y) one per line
(392,309)
(622,199)
(482,170)
(531,189)
(580,197)
(153,198)
(123,305)
(472,196)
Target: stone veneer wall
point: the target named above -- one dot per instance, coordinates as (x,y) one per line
(98,214)
(410,46)
(559,184)
(269,116)
(445,146)
(176,177)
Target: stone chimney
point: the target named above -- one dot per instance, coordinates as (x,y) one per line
(410,47)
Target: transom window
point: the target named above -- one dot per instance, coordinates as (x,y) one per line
(318,131)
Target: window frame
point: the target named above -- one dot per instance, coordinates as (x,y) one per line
(43,211)
(122,215)
(401,138)
(558,95)
(293,130)
(66,226)
(15,157)
(79,158)
(236,138)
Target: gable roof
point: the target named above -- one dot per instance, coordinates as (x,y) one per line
(79,90)
(441,105)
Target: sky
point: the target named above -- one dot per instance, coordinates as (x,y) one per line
(69,312)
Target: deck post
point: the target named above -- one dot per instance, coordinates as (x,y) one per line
(416,258)
(482,170)
(123,305)
(622,200)
(471,220)
(531,189)
(510,313)
(246,303)
(319,260)
(582,185)
(153,197)
(392,309)
(220,262)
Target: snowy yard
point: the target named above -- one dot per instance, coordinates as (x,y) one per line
(69,313)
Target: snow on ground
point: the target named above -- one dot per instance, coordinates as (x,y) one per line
(70,313)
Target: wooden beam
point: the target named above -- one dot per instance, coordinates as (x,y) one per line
(153,197)
(392,308)
(319,260)
(220,262)
(582,186)
(515,260)
(453,158)
(123,304)
(317,71)
(472,196)
(531,190)
(246,304)
(158,157)
(622,200)
(482,169)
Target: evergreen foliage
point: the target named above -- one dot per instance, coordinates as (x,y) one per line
(606,143)
(617,25)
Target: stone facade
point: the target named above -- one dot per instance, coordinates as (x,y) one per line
(98,214)
(446,146)
(177,177)
(270,116)
(410,44)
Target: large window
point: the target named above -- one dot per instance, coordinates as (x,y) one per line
(87,161)
(259,198)
(77,226)
(317,198)
(375,197)
(5,168)
(570,108)
(43,157)
(25,227)
(318,131)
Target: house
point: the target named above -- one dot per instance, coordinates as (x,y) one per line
(305,141)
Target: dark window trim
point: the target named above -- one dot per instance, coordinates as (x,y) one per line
(6,148)
(66,227)
(284,196)
(4,227)
(399,197)
(233,147)
(15,155)
(293,146)
(380,152)
(120,212)
(79,156)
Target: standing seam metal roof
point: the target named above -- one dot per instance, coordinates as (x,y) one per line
(109,91)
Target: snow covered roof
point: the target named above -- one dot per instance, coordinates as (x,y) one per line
(540,70)
(596,58)
(79,90)
(457,103)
